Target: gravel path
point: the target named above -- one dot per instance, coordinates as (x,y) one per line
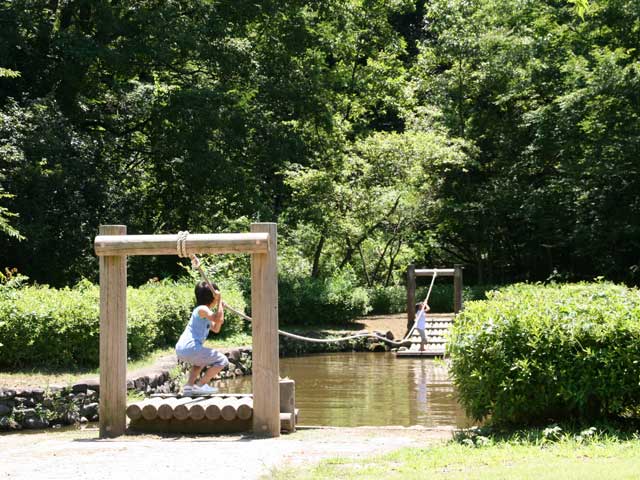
(79,454)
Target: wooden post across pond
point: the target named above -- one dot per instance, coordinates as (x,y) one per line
(113,246)
(113,339)
(411,295)
(264,309)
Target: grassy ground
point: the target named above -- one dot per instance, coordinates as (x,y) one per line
(542,455)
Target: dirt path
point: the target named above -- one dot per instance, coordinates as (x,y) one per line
(80,454)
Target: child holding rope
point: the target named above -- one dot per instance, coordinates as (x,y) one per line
(421,322)
(190,347)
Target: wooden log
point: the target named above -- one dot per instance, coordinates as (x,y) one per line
(196,410)
(165,410)
(115,244)
(113,339)
(288,422)
(244,408)
(287,395)
(411,296)
(441,272)
(181,409)
(134,411)
(190,426)
(228,411)
(264,305)
(213,407)
(150,408)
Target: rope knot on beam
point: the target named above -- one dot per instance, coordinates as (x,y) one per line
(181,244)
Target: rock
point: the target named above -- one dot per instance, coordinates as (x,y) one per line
(84,420)
(70,418)
(93,384)
(238,372)
(130,385)
(89,410)
(20,401)
(35,423)
(231,366)
(5,409)
(92,395)
(7,423)
(54,389)
(141,383)
(37,394)
(7,394)
(234,355)
(24,412)
(79,387)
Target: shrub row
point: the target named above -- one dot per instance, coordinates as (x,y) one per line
(42,326)
(308,301)
(393,299)
(534,353)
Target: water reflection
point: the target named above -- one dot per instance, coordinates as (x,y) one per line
(368,389)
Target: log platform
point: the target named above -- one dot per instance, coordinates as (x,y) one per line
(437,328)
(215,413)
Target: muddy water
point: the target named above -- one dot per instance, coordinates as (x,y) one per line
(368,389)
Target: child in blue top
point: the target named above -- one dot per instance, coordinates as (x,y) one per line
(421,323)
(190,347)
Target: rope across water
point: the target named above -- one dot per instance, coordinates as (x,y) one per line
(181,247)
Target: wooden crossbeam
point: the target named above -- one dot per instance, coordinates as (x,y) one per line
(211,243)
(441,272)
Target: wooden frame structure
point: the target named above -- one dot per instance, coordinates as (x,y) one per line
(413,272)
(113,245)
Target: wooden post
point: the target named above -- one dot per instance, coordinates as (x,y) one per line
(411,295)
(288,401)
(113,339)
(457,288)
(264,307)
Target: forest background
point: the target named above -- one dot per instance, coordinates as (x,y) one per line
(499,134)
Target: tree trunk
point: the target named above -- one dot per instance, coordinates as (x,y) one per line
(315,269)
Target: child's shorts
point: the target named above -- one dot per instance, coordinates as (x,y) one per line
(423,335)
(203,357)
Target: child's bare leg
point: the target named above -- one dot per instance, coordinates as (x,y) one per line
(193,374)
(210,374)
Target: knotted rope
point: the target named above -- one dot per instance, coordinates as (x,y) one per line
(181,244)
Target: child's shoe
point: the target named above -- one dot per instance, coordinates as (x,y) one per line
(187,390)
(203,390)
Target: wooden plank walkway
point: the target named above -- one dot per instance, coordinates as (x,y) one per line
(437,328)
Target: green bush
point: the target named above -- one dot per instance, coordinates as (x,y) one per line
(306,301)
(387,300)
(534,353)
(393,299)
(42,326)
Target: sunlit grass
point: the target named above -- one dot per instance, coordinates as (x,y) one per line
(568,458)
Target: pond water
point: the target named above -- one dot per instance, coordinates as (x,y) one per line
(368,389)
